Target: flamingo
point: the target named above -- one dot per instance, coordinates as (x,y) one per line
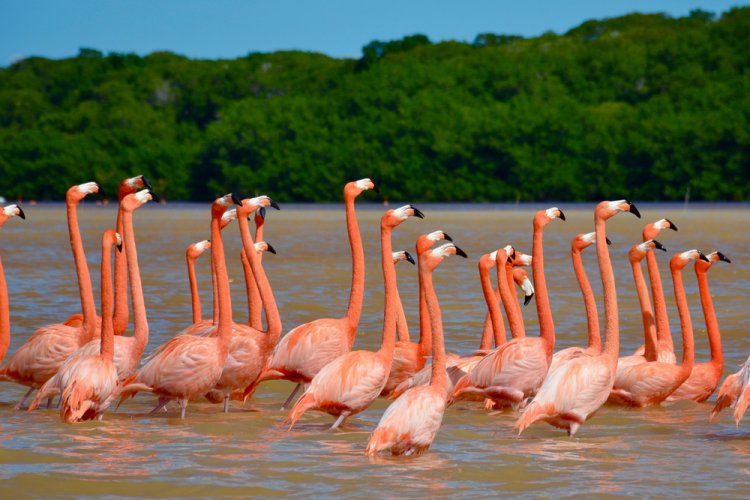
(651,383)
(735,391)
(350,383)
(571,394)
(127,349)
(705,377)
(402,327)
(579,244)
(193,251)
(5,214)
(664,345)
(88,383)
(412,421)
(516,370)
(43,353)
(410,357)
(254,302)
(307,348)
(521,278)
(188,365)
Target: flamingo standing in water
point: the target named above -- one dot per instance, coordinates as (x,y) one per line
(705,377)
(5,214)
(651,383)
(188,365)
(44,352)
(571,394)
(412,421)
(306,349)
(127,350)
(350,383)
(516,370)
(579,244)
(88,383)
(735,391)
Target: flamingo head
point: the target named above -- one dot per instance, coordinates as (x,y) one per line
(607,209)
(194,250)
(111,238)
(703,266)
(520,259)
(394,217)
(639,251)
(652,230)
(224,203)
(435,256)
(264,246)
(521,278)
(487,261)
(133,184)
(78,192)
(227,217)
(133,201)
(355,188)
(679,261)
(543,217)
(11,211)
(503,255)
(425,241)
(250,205)
(402,255)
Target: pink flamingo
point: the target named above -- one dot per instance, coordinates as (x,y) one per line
(43,353)
(88,383)
(705,377)
(521,278)
(579,244)
(516,370)
(254,301)
(350,383)
(651,383)
(193,251)
(188,366)
(402,327)
(571,394)
(735,391)
(664,347)
(306,349)
(5,214)
(412,421)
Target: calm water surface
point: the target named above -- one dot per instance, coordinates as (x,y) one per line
(670,451)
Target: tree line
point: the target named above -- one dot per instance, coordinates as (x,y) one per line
(643,106)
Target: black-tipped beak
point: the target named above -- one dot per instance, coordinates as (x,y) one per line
(270,248)
(702,257)
(23,216)
(146,183)
(262,212)
(633,209)
(409,258)
(659,246)
(119,247)
(562,215)
(275,205)
(154,197)
(446,237)
(461,253)
(720,255)
(608,240)
(236,199)
(527,299)
(671,225)
(417,213)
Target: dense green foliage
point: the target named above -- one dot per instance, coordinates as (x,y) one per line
(642,106)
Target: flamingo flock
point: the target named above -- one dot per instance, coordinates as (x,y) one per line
(89,361)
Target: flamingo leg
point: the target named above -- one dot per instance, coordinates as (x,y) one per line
(22,402)
(226,403)
(183,407)
(291,396)
(162,403)
(49,402)
(339,420)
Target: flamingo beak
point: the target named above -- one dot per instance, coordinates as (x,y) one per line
(409,258)
(659,246)
(633,209)
(271,249)
(461,253)
(702,257)
(446,237)
(527,299)
(671,225)
(417,213)
(236,199)
(146,183)
(608,241)
(719,254)
(23,216)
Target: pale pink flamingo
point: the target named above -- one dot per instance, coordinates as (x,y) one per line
(651,383)
(193,251)
(5,214)
(516,370)
(307,348)
(579,244)
(412,421)
(521,278)
(88,383)
(410,357)
(705,377)
(572,394)
(664,344)
(350,383)
(188,365)
(43,353)
(254,302)
(735,391)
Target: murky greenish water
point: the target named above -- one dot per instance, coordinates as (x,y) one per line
(665,451)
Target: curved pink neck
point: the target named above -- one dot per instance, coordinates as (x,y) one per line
(264,287)
(140,321)
(516,304)
(224,329)
(543,311)
(254,301)
(82,271)
(649,329)
(389,276)
(663,333)
(214,296)
(357,292)
(493,310)
(592,315)
(195,298)
(439,374)
(107,350)
(121,285)
(402,328)
(686,325)
(611,318)
(425,329)
(4,314)
(510,303)
(712,325)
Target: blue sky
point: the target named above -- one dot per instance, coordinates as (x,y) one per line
(232,28)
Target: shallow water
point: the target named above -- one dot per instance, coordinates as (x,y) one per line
(671,451)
